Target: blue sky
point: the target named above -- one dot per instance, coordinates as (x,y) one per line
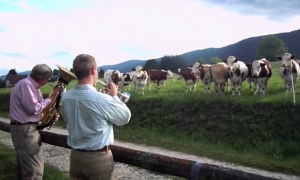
(113,31)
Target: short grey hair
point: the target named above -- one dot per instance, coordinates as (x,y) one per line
(40,72)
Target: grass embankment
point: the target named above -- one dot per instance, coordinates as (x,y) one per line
(257,131)
(8,167)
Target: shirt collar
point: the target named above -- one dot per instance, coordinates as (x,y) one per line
(33,82)
(85,87)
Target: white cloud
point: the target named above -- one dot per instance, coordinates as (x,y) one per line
(109,29)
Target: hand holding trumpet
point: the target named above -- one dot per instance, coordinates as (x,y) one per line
(111,88)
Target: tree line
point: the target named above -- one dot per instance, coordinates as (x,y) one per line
(269,48)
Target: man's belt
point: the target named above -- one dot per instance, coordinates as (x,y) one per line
(105,148)
(13,122)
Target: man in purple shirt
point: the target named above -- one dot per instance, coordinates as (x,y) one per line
(26,106)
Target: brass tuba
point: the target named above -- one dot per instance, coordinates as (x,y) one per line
(48,114)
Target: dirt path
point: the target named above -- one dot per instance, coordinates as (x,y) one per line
(157,150)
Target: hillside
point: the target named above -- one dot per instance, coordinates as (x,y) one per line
(244,49)
(124,66)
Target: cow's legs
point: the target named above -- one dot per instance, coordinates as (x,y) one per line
(256,87)
(233,87)
(149,83)
(240,87)
(194,86)
(142,89)
(286,85)
(163,83)
(250,84)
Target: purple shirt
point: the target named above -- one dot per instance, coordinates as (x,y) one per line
(26,101)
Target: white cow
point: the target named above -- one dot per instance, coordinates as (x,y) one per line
(289,66)
(261,73)
(140,79)
(238,73)
(112,76)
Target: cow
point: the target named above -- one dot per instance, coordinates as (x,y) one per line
(126,80)
(238,73)
(249,78)
(189,77)
(159,76)
(218,73)
(112,76)
(289,67)
(261,73)
(140,79)
(200,74)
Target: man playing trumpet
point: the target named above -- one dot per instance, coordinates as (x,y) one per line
(90,116)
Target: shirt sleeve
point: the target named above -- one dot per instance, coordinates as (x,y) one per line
(117,111)
(30,102)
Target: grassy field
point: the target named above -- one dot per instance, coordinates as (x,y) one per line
(8,167)
(261,131)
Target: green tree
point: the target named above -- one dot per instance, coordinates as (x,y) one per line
(214,60)
(270,47)
(152,64)
(172,63)
(101,73)
(201,61)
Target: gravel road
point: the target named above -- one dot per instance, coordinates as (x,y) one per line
(59,157)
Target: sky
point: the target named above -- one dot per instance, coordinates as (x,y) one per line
(113,31)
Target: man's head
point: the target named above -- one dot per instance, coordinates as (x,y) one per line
(85,68)
(41,74)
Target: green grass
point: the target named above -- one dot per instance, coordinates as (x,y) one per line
(8,167)
(261,131)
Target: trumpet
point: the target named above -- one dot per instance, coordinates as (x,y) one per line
(123,96)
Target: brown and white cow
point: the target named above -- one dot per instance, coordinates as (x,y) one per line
(126,81)
(200,74)
(159,76)
(261,73)
(140,79)
(238,73)
(218,73)
(112,76)
(189,77)
(289,67)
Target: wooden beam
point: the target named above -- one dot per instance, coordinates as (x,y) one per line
(163,164)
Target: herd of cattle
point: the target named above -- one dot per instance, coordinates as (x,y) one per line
(229,72)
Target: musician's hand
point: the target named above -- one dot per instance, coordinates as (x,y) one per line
(56,118)
(112,89)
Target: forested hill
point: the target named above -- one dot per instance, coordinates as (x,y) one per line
(245,49)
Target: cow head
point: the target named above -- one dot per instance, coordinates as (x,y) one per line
(195,68)
(139,71)
(235,69)
(286,59)
(116,76)
(170,74)
(257,66)
(231,60)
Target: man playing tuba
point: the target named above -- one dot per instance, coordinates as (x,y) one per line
(26,106)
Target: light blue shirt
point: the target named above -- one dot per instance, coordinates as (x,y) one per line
(90,116)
